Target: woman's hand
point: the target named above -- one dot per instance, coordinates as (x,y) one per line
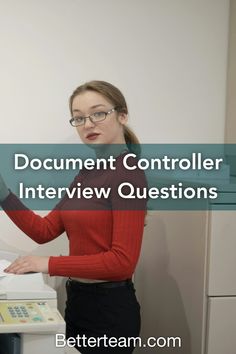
(28,264)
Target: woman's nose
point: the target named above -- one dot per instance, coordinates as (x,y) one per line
(88,123)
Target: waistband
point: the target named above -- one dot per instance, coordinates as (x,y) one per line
(101,285)
(83,280)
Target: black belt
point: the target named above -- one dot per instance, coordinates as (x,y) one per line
(104,285)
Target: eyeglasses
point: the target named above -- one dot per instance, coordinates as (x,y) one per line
(94,118)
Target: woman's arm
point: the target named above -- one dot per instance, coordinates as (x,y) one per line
(4,192)
(38,228)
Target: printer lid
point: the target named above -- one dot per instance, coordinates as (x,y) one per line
(23,286)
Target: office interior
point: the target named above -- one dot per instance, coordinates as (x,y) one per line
(175,63)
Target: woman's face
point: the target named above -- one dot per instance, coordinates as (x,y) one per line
(108,131)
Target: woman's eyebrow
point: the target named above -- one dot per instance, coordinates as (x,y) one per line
(92,107)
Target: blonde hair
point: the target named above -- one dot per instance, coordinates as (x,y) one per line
(115,96)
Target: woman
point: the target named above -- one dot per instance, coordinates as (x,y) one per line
(104,235)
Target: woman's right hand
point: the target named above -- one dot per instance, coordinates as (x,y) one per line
(4,191)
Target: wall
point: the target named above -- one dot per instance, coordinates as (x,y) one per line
(169,58)
(230,131)
(170,280)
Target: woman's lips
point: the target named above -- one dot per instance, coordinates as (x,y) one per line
(92,136)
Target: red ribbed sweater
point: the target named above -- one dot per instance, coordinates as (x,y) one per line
(104,235)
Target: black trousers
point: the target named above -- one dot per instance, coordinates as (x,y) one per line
(94,311)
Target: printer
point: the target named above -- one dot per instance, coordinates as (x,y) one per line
(29,319)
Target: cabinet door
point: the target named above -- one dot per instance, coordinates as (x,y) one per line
(222,253)
(221,326)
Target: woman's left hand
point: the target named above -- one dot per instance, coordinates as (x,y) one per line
(28,264)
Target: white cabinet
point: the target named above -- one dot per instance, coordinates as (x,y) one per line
(221,321)
(221,325)
(222,253)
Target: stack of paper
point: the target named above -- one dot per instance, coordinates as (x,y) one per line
(4,264)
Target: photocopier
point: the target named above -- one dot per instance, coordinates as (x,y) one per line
(29,319)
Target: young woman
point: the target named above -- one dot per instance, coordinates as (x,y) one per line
(104,235)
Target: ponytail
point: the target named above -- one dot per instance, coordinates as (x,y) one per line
(132,141)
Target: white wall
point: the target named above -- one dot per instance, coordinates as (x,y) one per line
(168,57)
(230,131)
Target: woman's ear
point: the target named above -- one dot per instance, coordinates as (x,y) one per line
(123,118)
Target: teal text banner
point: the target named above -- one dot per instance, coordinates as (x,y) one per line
(178,176)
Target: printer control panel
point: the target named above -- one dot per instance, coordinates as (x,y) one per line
(26,313)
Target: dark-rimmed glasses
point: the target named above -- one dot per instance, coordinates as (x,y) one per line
(94,118)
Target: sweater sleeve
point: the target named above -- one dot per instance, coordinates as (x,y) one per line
(120,260)
(38,228)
